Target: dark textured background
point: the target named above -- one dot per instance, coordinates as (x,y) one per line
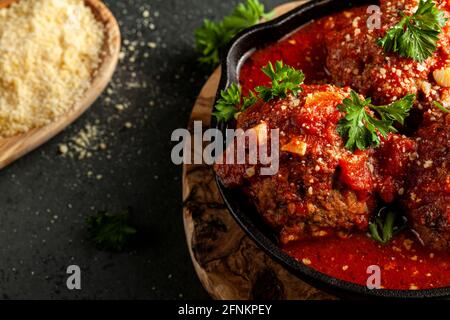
(46,197)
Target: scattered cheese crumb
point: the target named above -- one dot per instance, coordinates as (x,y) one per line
(428,164)
(128,125)
(120,106)
(63,148)
(83,144)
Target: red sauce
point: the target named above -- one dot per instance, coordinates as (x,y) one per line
(404,262)
(304,50)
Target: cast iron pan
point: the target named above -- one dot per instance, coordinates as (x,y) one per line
(247,217)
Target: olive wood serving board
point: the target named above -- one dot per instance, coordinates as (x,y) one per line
(15,147)
(228,263)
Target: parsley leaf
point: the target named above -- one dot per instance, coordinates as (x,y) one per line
(285,80)
(212,37)
(441,107)
(248,101)
(416,36)
(358,126)
(361,129)
(209,40)
(384,230)
(397,111)
(110,231)
(228,103)
(231,104)
(246,15)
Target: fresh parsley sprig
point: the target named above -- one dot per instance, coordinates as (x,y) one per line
(441,107)
(415,36)
(212,37)
(231,104)
(361,129)
(384,230)
(110,231)
(285,80)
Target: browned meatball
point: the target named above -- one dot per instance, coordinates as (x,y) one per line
(427,199)
(355,59)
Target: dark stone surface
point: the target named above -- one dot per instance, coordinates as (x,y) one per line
(46,197)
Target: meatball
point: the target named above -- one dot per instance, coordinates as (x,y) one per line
(427,200)
(355,59)
(391,164)
(315,192)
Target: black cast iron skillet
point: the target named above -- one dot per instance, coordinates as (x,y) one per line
(244,213)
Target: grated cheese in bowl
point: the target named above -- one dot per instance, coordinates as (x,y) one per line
(49,52)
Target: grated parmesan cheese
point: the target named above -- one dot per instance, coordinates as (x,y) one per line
(49,52)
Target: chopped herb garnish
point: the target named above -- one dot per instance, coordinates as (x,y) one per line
(416,36)
(228,104)
(212,37)
(441,107)
(384,231)
(397,111)
(231,104)
(110,231)
(248,101)
(361,129)
(285,80)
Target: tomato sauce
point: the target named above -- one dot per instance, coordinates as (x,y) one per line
(303,50)
(405,263)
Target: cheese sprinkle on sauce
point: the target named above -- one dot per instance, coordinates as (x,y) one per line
(49,53)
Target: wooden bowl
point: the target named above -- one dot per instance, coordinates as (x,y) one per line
(15,147)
